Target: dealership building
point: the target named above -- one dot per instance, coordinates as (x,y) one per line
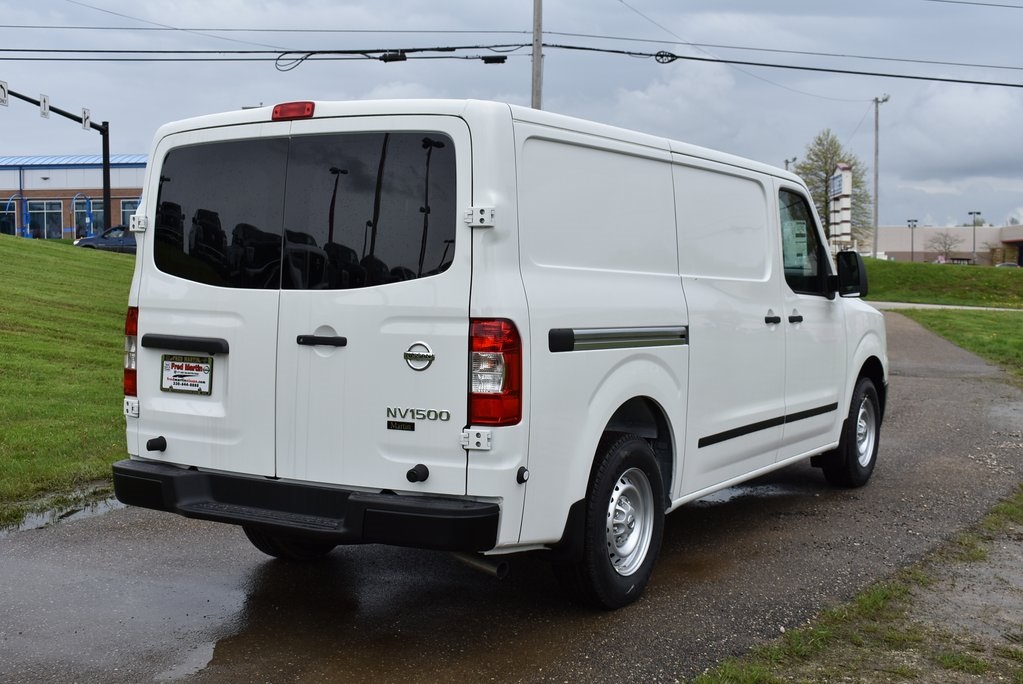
(62,196)
(984,245)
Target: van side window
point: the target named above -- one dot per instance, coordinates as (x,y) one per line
(334,212)
(805,259)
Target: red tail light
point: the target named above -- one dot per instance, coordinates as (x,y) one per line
(131,333)
(495,367)
(289,111)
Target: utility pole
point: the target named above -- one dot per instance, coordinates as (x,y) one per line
(537,54)
(878,101)
(789,161)
(103,129)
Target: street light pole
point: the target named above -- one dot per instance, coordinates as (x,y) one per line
(878,101)
(912,252)
(974,215)
(789,161)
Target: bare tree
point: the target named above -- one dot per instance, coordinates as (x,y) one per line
(944,243)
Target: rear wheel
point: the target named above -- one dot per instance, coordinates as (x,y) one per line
(287,547)
(852,463)
(623,526)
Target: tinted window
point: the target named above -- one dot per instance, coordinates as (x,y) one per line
(313,212)
(806,262)
(219,213)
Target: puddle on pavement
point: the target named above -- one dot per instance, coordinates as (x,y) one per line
(197,659)
(763,491)
(80,511)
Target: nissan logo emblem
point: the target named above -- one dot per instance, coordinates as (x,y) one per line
(419,356)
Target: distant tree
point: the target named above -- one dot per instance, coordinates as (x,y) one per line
(816,168)
(1013,221)
(944,243)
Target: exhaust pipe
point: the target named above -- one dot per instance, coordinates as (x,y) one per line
(498,569)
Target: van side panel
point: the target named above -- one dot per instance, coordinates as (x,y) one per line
(597,236)
(728,255)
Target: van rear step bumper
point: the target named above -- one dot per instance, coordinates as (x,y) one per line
(312,511)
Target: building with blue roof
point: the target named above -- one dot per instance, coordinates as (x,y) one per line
(61,196)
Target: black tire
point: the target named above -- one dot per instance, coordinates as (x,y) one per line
(852,463)
(287,547)
(615,562)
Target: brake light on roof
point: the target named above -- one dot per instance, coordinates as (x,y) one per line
(289,111)
(495,368)
(131,332)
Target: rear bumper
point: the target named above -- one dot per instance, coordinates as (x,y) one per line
(312,511)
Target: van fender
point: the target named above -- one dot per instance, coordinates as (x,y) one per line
(868,355)
(655,382)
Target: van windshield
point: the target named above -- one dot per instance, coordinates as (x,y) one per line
(333,211)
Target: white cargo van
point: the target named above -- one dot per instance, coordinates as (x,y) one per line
(476,327)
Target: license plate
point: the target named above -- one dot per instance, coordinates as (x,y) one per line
(187,374)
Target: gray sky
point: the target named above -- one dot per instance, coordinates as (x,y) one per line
(946,149)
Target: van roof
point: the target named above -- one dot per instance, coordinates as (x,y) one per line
(468,109)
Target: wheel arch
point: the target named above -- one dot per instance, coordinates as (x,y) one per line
(644,417)
(874,370)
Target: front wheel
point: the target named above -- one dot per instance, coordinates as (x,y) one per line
(623,527)
(287,547)
(852,463)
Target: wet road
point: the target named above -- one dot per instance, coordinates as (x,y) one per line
(135,595)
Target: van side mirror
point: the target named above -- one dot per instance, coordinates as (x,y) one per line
(852,275)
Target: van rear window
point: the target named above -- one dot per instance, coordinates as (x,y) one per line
(336,211)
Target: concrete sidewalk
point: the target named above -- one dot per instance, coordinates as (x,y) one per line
(894,306)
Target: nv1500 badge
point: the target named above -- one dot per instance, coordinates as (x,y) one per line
(403,419)
(418,414)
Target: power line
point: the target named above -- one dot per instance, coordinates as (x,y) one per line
(290,59)
(743,71)
(226,29)
(566,34)
(979,4)
(664,57)
(166,26)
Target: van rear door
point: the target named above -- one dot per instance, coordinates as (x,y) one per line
(372,365)
(315,274)
(208,300)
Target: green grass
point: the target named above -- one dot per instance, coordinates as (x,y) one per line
(962,662)
(994,335)
(61,345)
(892,281)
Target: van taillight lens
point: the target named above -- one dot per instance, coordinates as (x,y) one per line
(289,111)
(495,368)
(131,337)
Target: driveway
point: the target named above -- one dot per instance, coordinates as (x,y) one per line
(134,595)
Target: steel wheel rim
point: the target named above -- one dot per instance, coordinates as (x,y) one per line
(630,521)
(866,432)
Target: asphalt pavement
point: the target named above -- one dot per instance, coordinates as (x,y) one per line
(134,595)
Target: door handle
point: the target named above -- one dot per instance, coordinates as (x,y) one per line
(796,318)
(325,340)
(771,319)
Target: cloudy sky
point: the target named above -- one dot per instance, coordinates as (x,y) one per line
(945,148)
